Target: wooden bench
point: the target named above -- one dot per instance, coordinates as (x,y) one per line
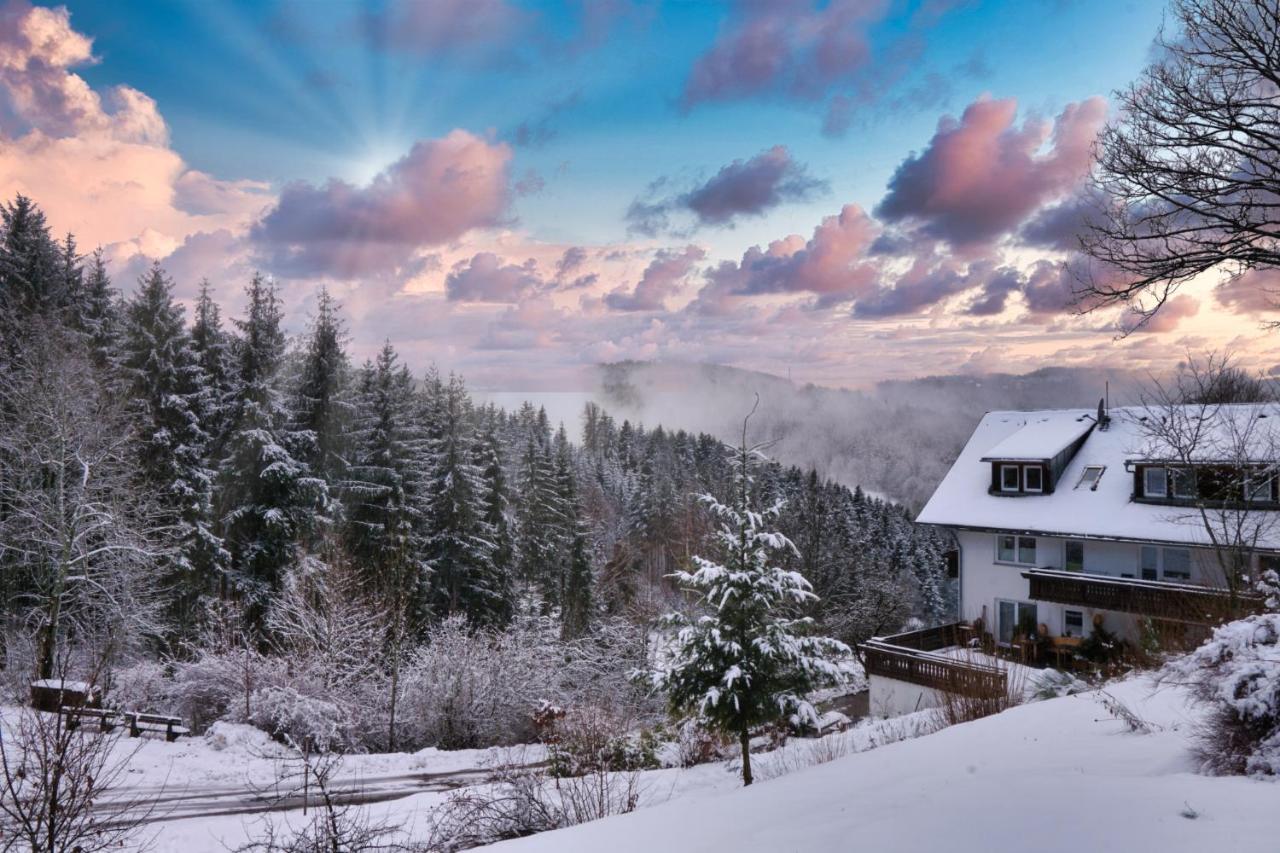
(107,720)
(171,726)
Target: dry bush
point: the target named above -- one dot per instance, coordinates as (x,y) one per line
(331,827)
(584,740)
(1126,715)
(698,744)
(952,708)
(518,801)
(57,784)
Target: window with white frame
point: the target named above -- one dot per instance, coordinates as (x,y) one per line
(1033,478)
(1257,487)
(1182,482)
(1171,564)
(1090,476)
(1016,549)
(1155,483)
(1009,475)
(1073,555)
(1176,565)
(1073,623)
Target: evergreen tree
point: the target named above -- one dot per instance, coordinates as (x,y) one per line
(29,260)
(497,525)
(746,662)
(98,314)
(460,556)
(268,497)
(213,351)
(165,386)
(323,412)
(539,523)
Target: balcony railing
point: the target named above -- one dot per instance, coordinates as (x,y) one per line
(912,657)
(1174,602)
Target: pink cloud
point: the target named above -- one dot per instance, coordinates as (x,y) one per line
(742,188)
(981,176)
(1251,291)
(485,278)
(662,279)
(833,264)
(800,49)
(437,192)
(1170,316)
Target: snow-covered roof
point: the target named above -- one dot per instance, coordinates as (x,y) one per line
(1042,436)
(1106,511)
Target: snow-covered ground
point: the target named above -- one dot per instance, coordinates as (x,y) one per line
(1058,775)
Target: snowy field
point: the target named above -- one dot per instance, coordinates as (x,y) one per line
(1063,773)
(1060,775)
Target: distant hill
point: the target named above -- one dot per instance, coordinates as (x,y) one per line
(897,439)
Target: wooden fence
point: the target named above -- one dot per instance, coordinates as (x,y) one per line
(912,657)
(1175,602)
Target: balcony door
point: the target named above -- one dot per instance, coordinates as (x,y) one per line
(1015,618)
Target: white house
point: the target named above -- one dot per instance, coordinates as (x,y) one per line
(1070,518)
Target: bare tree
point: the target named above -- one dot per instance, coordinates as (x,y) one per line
(1188,176)
(1224,456)
(76,538)
(58,787)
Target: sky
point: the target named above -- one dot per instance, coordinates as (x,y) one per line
(841,191)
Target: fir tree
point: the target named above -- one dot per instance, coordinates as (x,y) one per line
(29,260)
(98,314)
(323,410)
(462,575)
(268,497)
(213,351)
(746,662)
(165,385)
(539,519)
(497,525)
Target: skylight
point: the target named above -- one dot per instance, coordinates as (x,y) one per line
(1089,479)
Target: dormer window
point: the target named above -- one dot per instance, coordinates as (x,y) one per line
(1155,483)
(1183,482)
(1019,478)
(1033,479)
(1258,487)
(1009,478)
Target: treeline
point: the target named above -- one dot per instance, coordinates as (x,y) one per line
(166,481)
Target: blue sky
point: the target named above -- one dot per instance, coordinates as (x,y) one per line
(842,190)
(281,92)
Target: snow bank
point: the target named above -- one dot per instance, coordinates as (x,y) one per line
(1060,775)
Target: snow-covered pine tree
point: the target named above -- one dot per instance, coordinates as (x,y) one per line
(28,271)
(213,350)
(322,409)
(98,314)
(497,524)
(268,498)
(747,661)
(539,522)
(460,556)
(165,389)
(382,518)
(573,567)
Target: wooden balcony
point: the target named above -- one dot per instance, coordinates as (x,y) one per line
(913,657)
(1173,602)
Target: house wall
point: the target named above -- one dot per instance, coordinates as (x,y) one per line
(892,698)
(984,580)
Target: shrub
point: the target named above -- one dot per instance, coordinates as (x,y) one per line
(1237,675)
(294,718)
(585,740)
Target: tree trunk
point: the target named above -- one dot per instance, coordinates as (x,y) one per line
(744,738)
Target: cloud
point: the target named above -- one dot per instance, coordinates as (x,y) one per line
(1252,291)
(743,188)
(662,279)
(833,264)
(485,278)
(982,175)
(797,49)
(1170,316)
(99,166)
(447,27)
(437,192)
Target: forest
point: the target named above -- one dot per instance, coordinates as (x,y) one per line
(209,517)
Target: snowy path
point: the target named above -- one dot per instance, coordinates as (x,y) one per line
(172,803)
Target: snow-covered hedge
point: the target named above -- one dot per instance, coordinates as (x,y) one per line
(1237,674)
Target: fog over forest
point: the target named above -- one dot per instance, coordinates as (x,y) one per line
(897,439)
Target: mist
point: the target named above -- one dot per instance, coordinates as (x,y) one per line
(895,440)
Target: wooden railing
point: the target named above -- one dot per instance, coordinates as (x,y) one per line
(912,657)
(1175,602)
